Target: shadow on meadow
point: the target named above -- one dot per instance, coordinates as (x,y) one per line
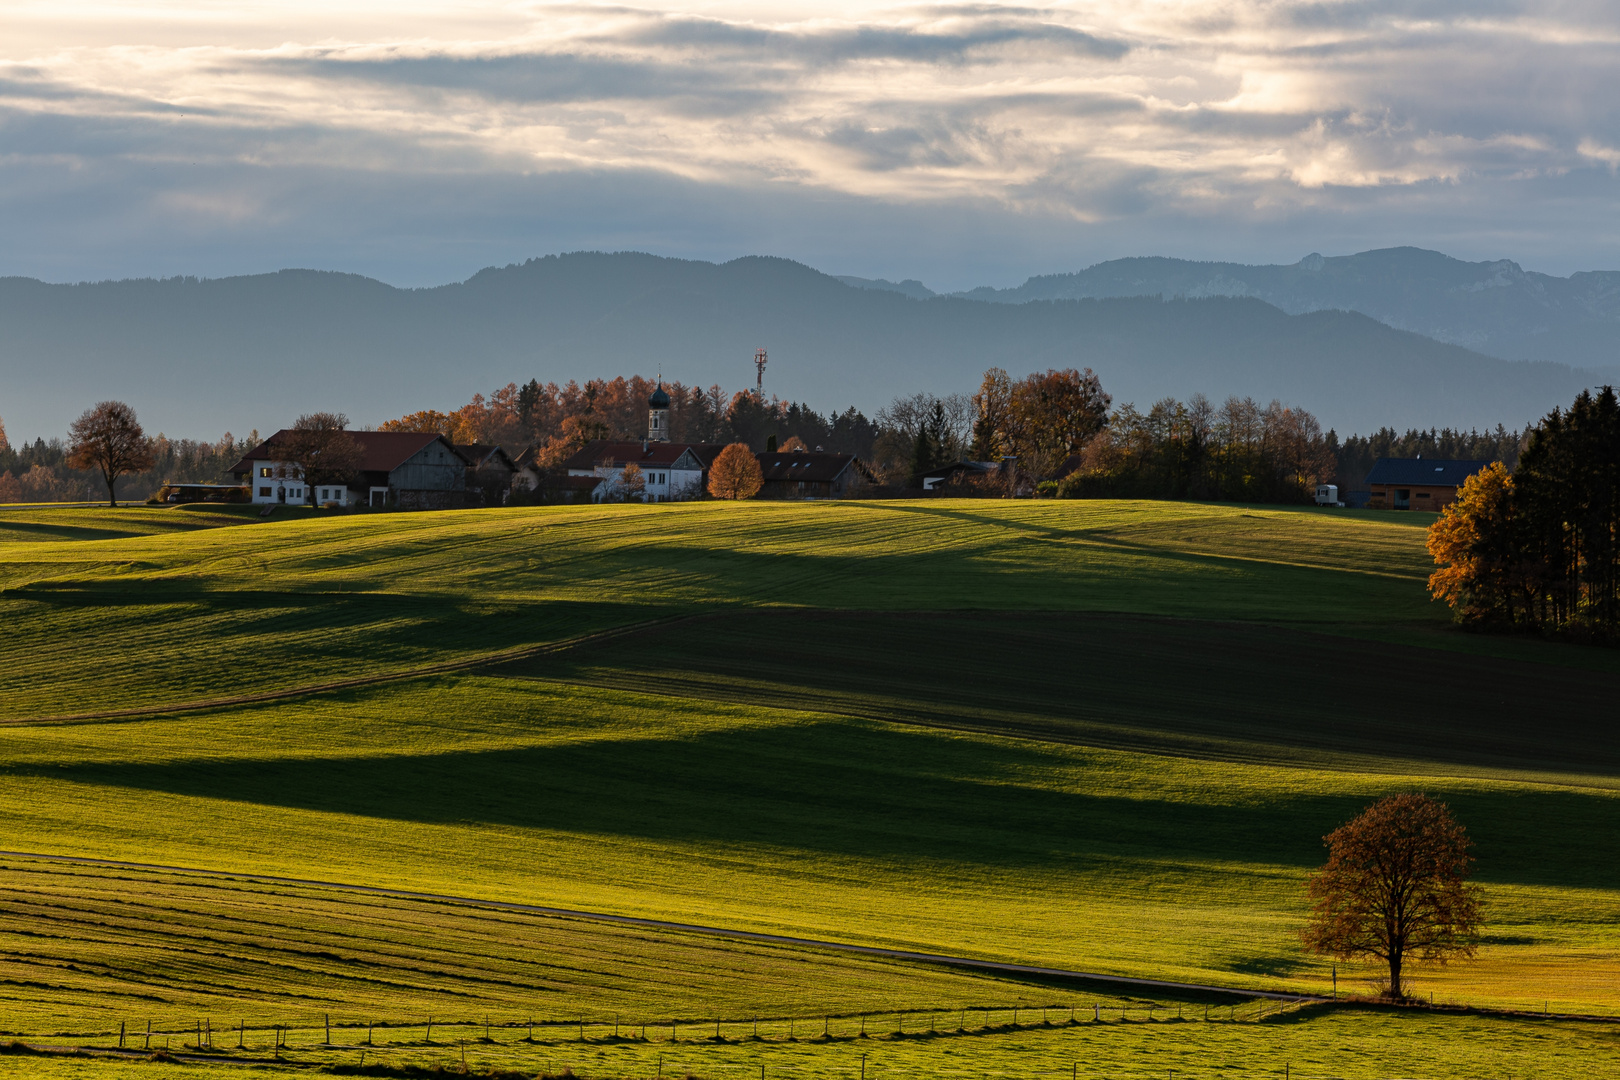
(1218,690)
(870,791)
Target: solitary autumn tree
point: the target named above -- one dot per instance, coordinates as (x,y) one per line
(735,473)
(321,451)
(1395,887)
(108,438)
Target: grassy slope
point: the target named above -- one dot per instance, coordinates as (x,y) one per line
(88,947)
(156,619)
(767,811)
(22,522)
(826,826)
(1343,1045)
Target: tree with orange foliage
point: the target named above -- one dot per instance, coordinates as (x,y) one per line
(426,421)
(1396,887)
(631,483)
(793,443)
(1475,542)
(108,438)
(735,473)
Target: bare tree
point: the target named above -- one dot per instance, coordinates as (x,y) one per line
(1395,887)
(631,483)
(110,439)
(321,451)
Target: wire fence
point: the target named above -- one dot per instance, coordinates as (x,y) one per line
(324,1031)
(848,1046)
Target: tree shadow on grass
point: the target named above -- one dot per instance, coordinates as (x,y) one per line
(1206,689)
(872,792)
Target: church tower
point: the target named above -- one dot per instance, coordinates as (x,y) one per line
(658,415)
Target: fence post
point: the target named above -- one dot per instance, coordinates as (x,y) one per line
(241,1033)
(120,1034)
(148,1045)
(328,1029)
(429,1037)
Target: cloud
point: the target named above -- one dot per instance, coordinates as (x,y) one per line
(1235,115)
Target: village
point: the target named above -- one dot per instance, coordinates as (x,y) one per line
(425,470)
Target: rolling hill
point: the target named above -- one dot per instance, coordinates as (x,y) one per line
(1105,736)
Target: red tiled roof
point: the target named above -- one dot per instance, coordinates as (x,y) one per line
(381,451)
(605,452)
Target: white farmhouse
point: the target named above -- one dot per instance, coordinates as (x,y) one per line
(407,469)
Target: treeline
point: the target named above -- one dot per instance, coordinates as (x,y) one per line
(1538,547)
(1056,426)
(1358,454)
(39,471)
(559,419)
(1239,450)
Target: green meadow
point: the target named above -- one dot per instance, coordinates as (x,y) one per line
(1104,736)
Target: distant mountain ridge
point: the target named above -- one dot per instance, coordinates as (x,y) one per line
(199,356)
(1496,308)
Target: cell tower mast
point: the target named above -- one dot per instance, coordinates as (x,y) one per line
(759,368)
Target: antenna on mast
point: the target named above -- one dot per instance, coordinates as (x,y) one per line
(759,368)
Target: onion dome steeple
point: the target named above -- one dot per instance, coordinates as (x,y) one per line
(658,415)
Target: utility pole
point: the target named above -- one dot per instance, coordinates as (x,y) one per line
(759,369)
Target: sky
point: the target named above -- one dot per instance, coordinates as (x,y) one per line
(961,144)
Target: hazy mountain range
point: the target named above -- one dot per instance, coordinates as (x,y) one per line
(1496,308)
(197,357)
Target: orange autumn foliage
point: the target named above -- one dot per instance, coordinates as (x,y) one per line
(735,473)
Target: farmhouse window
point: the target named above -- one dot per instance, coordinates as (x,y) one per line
(264,492)
(264,470)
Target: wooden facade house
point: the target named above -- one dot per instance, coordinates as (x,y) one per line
(1418,483)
